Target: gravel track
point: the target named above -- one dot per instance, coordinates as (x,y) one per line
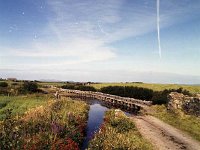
(163,136)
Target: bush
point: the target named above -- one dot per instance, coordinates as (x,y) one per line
(3,84)
(78,87)
(30,87)
(160,97)
(4,91)
(68,86)
(129,91)
(85,88)
(14,84)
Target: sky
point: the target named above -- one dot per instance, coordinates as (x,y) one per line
(100,40)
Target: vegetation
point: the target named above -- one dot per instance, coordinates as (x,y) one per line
(18,105)
(15,88)
(160,97)
(118,132)
(187,123)
(59,124)
(35,121)
(3,84)
(51,83)
(3,88)
(155,87)
(129,91)
(78,87)
(4,91)
(29,87)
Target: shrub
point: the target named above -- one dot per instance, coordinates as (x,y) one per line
(4,91)
(68,86)
(160,97)
(3,84)
(85,88)
(14,84)
(30,87)
(129,91)
(78,87)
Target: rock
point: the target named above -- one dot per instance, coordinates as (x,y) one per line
(189,105)
(176,100)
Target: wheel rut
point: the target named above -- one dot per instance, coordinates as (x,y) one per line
(163,136)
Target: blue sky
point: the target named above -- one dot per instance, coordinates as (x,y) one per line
(100,40)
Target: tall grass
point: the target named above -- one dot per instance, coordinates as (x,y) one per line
(59,124)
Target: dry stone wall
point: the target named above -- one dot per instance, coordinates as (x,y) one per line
(189,105)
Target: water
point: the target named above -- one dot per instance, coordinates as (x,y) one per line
(95,119)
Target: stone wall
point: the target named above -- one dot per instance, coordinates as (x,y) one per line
(189,105)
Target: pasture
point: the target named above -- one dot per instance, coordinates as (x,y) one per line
(154,86)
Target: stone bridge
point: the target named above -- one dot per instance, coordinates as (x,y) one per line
(129,103)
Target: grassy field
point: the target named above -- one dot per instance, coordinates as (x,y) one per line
(20,104)
(187,123)
(118,132)
(155,87)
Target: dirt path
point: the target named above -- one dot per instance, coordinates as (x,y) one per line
(164,136)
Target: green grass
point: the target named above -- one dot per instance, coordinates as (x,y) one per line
(118,132)
(20,104)
(155,87)
(51,83)
(4,101)
(189,124)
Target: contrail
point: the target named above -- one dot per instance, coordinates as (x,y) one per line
(158,27)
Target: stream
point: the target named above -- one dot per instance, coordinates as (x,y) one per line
(95,119)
